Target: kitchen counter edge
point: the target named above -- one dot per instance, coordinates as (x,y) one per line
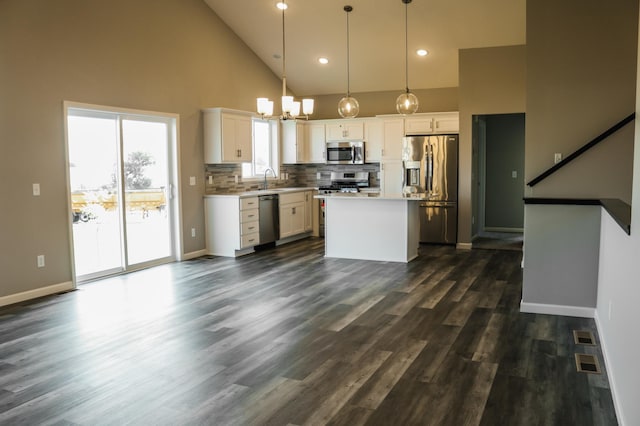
(257,193)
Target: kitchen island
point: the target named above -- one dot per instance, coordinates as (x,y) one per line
(370,226)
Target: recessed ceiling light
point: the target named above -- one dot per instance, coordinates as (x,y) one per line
(281,5)
(323,61)
(422,52)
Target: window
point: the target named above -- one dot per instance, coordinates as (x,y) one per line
(265,149)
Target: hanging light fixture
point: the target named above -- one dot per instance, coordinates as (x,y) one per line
(348,107)
(290,108)
(407,103)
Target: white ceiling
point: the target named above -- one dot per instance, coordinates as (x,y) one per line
(317,28)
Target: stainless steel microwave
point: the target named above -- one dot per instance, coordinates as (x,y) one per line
(345,152)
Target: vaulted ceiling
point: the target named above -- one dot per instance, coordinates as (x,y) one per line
(318,28)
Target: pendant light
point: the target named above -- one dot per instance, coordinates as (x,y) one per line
(407,103)
(348,107)
(290,108)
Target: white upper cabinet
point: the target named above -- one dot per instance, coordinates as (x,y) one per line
(393,132)
(428,123)
(316,143)
(373,140)
(227,136)
(293,142)
(302,142)
(345,130)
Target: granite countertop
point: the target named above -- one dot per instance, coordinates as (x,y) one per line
(255,193)
(376,196)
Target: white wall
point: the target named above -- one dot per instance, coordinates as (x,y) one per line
(617,312)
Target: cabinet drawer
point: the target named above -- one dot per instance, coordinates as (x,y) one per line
(248,203)
(250,240)
(249,215)
(294,197)
(249,227)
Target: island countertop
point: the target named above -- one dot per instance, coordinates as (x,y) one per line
(376,196)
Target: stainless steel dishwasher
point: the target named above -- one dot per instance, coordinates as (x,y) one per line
(269,218)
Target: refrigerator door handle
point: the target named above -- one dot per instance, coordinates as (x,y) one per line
(430,168)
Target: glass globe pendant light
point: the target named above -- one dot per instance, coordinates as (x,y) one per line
(407,103)
(348,107)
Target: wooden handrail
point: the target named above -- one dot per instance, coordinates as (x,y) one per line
(583,149)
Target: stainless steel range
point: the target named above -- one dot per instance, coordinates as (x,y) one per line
(341,182)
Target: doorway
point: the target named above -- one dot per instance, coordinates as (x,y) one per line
(499,163)
(121,184)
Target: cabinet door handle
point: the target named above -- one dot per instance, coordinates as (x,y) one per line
(293,210)
(251,215)
(252,227)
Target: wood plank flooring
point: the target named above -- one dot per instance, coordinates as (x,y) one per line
(288,337)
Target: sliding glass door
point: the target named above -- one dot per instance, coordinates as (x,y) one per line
(120,184)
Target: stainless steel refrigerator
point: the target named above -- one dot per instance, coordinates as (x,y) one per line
(430,165)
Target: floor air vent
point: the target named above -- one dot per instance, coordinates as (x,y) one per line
(583,337)
(587,364)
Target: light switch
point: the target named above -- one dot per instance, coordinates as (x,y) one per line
(192,180)
(557,157)
(514,174)
(36,189)
(210,180)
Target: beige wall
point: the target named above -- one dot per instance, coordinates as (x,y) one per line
(171,56)
(492,81)
(581,71)
(375,103)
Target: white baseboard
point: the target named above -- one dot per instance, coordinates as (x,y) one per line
(567,311)
(499,229)
(193,255)
(34,294)
(610,376)
(464,246)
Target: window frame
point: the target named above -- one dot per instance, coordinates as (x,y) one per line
(274,150)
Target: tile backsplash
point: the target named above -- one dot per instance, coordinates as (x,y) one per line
(297,175)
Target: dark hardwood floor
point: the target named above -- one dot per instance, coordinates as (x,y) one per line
(285,336)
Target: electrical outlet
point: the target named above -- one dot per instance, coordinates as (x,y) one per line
(193,232)
(210,180)
(40,260)
(192,180)
(557,157)
(36,189)
(236,178)
(514,174)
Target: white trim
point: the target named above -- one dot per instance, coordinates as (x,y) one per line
(564,310)
(464,246)
(38,292)
(612,382)
(172,122)
(192,255)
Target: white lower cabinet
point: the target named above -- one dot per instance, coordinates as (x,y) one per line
(293,217)
(308,211)
(232,225)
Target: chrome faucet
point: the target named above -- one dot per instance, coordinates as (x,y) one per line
(266,184)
